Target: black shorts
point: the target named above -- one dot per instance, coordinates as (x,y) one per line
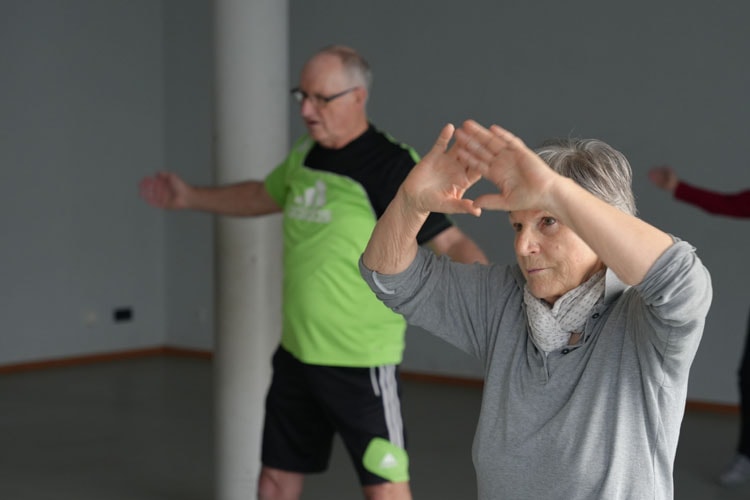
(307,404)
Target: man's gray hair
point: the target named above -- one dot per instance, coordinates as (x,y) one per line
(594,165)
(354,64)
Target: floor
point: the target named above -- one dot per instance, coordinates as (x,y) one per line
(141,429)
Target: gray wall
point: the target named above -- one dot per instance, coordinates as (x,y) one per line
(95,95)
(81,114)
(189,253)
(661,81)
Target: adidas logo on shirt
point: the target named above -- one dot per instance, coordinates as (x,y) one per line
(308,205)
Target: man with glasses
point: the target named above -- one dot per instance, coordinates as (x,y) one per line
(336,368)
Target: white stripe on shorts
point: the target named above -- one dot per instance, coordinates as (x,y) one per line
(374,381)
(391,404)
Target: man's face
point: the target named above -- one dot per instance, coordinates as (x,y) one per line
(335,123)
(552,257)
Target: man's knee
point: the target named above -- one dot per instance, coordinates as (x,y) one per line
(388,491)
(275,484)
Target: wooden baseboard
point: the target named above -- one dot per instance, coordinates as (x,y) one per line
(184,352)
(706,406)
(104,357)
(693,406)
(442,379)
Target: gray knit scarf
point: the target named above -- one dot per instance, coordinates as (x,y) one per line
(551,327)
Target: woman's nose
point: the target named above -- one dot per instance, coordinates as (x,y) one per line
(526,244)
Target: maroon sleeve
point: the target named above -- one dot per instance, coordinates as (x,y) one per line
(732,204)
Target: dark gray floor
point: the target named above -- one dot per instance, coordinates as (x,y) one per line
(141,429)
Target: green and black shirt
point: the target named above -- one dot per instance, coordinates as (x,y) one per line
(332,199)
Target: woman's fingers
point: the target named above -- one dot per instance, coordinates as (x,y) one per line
(441,144)
(491,202)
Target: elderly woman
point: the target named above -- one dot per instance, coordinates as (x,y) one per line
(586,342)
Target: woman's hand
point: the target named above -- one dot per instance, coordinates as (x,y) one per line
(522,177)
(439,181)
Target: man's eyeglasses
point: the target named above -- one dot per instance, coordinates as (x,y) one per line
(318,100)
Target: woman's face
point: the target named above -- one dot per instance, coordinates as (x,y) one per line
(552,257)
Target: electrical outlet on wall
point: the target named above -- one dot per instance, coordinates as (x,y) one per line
(122,314)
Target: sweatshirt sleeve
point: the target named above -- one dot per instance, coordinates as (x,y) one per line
(448,299)
(677,295)
(731,204)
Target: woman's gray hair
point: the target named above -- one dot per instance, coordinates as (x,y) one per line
(354,64)
(594,165)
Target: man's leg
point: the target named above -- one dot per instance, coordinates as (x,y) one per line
(276,484)
(297,436)
(387,491)
(364,406)
(744,386)
(738,470)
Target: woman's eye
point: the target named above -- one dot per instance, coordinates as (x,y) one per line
(548,221)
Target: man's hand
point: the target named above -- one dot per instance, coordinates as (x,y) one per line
(165,190)
(664,178)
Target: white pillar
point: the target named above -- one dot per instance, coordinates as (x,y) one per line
(252,102)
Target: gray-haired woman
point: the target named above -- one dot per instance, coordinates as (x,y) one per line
(586,342)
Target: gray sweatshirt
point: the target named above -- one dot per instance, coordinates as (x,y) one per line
(599,420)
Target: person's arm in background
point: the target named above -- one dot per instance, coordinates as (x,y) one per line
(458,246)
(730,204)
(168,191)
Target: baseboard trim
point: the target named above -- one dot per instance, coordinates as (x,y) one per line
(104,357)
(709,407)
(442,379)
(693,406)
